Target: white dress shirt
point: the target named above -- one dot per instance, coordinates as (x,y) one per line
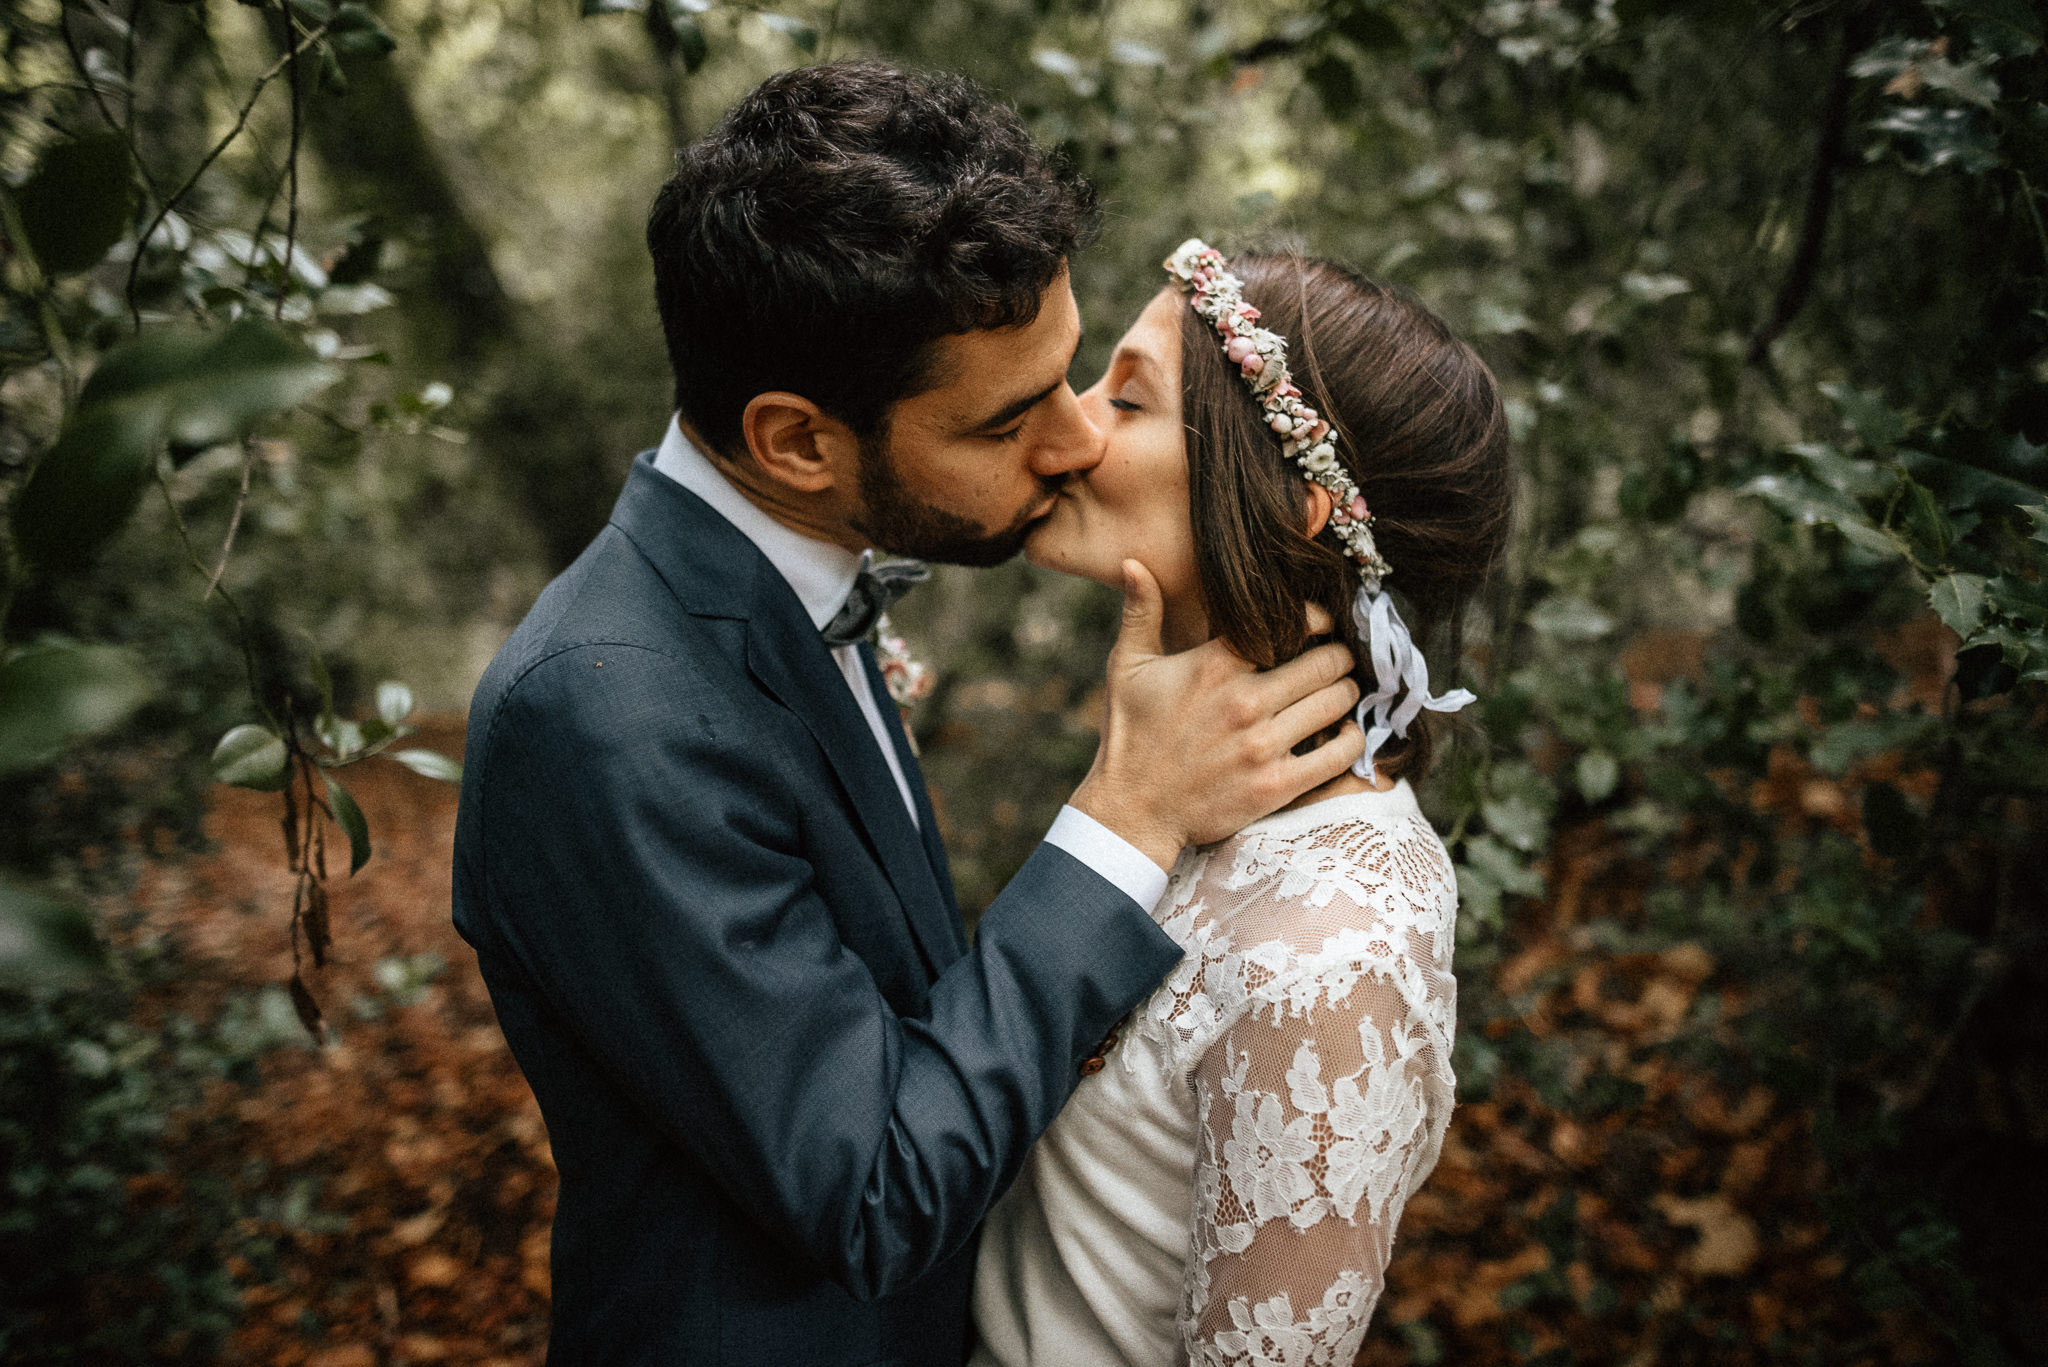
(822,574)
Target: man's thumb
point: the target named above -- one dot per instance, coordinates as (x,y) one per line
(1139,637)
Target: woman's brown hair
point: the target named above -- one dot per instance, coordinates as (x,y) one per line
(1421,429)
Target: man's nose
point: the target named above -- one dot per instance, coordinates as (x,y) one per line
(1073,445)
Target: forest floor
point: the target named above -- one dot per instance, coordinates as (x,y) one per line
(407,1166)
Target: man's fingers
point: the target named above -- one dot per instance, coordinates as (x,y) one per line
(1144,614)
(1326,761)
(1320,623)
(1318,710)
(1304,674)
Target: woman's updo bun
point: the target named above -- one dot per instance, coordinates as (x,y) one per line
(1421,428)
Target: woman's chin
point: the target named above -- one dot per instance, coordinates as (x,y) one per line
(1053,545)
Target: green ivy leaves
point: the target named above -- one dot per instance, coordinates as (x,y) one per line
(185,389)
(78,203)
(252,757)
(54,693)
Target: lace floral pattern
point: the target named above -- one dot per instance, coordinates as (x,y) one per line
(1313,1018)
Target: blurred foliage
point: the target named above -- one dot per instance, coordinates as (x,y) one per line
(1766,284)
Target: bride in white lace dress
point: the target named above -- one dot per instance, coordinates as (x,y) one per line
(1225,1185)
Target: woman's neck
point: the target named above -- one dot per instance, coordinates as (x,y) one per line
(1183,626)
(1343,785)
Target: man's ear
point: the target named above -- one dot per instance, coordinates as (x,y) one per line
(1320,504)
(796,443)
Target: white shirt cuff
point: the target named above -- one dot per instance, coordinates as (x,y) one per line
(1110,855)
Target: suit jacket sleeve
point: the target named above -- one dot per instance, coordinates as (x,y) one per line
(644,867)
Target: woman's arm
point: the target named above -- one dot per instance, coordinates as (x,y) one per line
(1315,1126)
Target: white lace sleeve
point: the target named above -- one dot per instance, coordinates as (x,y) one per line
(1320,1111)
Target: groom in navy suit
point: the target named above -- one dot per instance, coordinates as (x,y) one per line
(695,855)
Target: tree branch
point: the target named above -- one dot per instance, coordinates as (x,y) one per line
(241,122)
(1820,195)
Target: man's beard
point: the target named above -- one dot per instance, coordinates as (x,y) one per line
(899,522)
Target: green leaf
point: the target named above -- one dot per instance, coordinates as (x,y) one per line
(2011,28)
(1857,477)
(1846,742)
(430,763)
(1597,775)
(332,78)
(252,756)
(323,681)
(78,203)
(1478,897)
(54,694)
(394,702)
(691,45)
(356,32)
(1959,601)
(2023,600)
(1517,820)
(1336,85)
(804,35)
(1936,137)
(86,486)
(1501,865)
(596,7)
(247,371)
(2037,513)
(194,389)
(44,941)
(1369,27)
(344,737)
(1570,619)
(350,817)
(1808,503)
(1926,523)
(1864,410)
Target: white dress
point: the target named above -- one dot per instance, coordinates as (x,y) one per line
(1225,1190)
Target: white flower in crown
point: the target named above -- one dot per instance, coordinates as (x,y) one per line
(906,679)
(1261,358)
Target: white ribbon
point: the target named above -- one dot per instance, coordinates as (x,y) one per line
(1396,665)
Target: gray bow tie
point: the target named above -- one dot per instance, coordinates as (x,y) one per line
(874,591)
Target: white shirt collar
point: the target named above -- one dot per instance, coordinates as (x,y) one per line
(821,573)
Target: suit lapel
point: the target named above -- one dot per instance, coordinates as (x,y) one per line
(715,571)
(788,658)
(927,820)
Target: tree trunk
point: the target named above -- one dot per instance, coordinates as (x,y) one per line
(383,164)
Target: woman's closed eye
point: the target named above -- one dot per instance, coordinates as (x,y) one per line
(1124,406)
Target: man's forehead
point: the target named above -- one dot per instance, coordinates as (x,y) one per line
(977,372)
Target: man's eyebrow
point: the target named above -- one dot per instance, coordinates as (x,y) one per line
(1017,408)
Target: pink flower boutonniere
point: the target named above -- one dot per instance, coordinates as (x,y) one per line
(906,679)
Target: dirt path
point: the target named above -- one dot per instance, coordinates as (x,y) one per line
(411,1136)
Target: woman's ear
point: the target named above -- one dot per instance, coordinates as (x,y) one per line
(1320,504)
(795,442)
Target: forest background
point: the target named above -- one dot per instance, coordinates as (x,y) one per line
(327,337)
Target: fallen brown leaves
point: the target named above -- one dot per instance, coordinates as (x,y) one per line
(1680,1227)
(422,1143)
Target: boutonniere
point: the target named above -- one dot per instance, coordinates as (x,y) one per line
(906,679)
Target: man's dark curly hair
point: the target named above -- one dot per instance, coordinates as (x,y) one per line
(838,222)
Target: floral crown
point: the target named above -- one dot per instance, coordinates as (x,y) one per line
(1399,670)
(1261,356)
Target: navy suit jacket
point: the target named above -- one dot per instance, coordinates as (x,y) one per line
(781,1089)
